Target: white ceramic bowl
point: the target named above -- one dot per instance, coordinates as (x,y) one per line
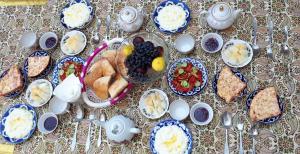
(44,37)
(42,120)
(142,105)
(27,94)
(179,109)
(70,34)
(58,106)
(203,105)
(215,36)
(185,43)
(28,40)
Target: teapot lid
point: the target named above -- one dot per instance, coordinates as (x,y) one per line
(128,14)
(116,127)
(221,11)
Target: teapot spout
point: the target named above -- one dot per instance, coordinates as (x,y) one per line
(237,13)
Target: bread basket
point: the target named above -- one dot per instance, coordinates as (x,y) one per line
(87,94)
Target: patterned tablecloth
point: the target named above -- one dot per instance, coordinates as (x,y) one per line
(284,74)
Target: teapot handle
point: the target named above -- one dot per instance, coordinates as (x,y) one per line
(135,130)
(203,16)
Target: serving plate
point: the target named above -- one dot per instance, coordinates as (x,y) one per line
(196,63)
(18,92)
(55,76)
(29,89)
(66,36)
(268,120)
(45,72)
(236,73)
(72,2)
(172,2)
(232,43)
(171,122)
(3,120)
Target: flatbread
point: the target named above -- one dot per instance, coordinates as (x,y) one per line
(229,86)
(12,81)
(264,105)
(110,55)
(117,86)
(36,65)
(100,87)
(93,74)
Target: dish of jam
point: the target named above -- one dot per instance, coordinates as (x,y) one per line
(50,123)
(50,42)
(201,114)
(211,44)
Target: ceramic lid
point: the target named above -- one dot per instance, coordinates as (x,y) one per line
(128,14)
(116,126)
(221,11)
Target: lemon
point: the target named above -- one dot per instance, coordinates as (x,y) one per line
(127,49)
(158,64)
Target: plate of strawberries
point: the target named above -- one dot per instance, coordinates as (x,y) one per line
(187,76)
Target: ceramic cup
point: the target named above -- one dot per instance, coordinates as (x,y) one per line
(185,43)
(179,109)
(41,122)
(215,36)
(58,106)
(44,37)
(28,40)
(201,105)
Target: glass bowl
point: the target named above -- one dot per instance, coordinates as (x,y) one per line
(136,58)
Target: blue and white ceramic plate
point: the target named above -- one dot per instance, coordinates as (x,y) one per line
(268,120)
(171,122)
(92,13)
(172,2)
(18,92)
(3,120)
(236,73)
(196,63)
(55,76)
(39,53)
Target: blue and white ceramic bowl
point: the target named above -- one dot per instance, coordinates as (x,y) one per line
(236,73)
(268,120)
(72,2)
(18,92)
(39,53)
(55,76)
(3,120)
(197,63)
(171,122)
(172,2)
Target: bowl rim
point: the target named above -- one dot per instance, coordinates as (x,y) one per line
(204,105)
(43,38)
(217,36)
(185,105)
(188,38)
(67,34)
(43,118)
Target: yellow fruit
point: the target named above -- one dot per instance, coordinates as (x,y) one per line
(127,49)
(158,64)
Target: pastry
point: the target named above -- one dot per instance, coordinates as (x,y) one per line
(107,68)
(120,62)
(100,87)
(110,55)
(264,105)
(117,86)
(93,74)
(229,86)
(36,65)
(12,81)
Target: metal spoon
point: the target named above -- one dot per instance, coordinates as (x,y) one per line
(88,140)
(107,26)
(253,134)
(240,127)
(227,123)
(78,118)
(255,47)
(96,38)
(102,119)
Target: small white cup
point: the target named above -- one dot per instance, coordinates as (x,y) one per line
(58,106)
(179,109)
(44,37)
(28,40)
(215,36)
(185,43)
(41,122)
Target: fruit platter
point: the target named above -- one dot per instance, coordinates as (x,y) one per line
(161,77)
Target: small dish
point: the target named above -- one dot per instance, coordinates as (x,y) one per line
(184,43)
(78,41)
(40,92)
(47,123)
(48,41)
(200,106)
(215,41)
(58,106)
(147,104)
(179,109)
(28,40)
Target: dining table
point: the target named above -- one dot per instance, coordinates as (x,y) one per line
(283,72)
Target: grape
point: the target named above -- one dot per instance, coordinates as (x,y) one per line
(137,40)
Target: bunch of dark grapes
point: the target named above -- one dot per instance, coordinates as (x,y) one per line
(141,58)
